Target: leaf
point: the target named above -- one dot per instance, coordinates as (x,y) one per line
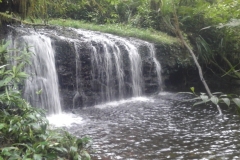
(217,93)
(37,157)
(20,66)
(185,93)
(7,93)
(39,92)
(192,89)
(214,100)
(51,156)
(227,101)
(204,97)
(3,66)
(223,95)
(5,151)
(236,101)
(14,70)
(61,149)
(31,117)
(86,154)
(73,149)
(35,126)
(230,70)
(3,47)
(5,81)
(2,125)
(201,102)
(22,75)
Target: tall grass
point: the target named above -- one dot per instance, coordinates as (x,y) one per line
(119,29)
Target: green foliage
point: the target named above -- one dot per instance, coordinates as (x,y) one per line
(223,11)
(211,26)
(121,30)
(24,130)
(145,16)
(216,99)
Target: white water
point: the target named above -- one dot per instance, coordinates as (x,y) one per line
(108,64)
(125,101)
(41,88)
(64,120)
(157,64)
(116,68)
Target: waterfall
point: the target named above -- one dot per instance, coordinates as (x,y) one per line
(157,64)
(41,87)
(93,68)
(107,63)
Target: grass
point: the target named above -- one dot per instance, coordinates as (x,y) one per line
(120,30)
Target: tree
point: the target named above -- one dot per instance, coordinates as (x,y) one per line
(176,29)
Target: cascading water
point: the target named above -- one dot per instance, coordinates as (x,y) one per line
(157,64)
(107,68)
(109,57)
(41,88)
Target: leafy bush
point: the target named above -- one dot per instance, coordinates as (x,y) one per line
(24,130)
(217,99)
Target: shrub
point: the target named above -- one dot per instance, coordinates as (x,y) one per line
(24,130)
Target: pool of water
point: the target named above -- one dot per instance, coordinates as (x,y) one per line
(159,127)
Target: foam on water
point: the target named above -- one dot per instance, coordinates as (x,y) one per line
(64,120)
(117,103)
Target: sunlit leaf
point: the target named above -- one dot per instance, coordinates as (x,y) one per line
(3,66)
(2,125)
(227,101)
(5,81)
(39,92)
(204,97)
(224,95)
(217,93)
(73,149)
(192,89)
(236,101)
(37,157)
(184,93)
(22,75)
(214,100)
(201,102)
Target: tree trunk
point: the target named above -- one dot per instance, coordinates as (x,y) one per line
(179,34)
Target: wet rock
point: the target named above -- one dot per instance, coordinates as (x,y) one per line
(77,71)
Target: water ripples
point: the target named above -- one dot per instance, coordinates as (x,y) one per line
(159,128)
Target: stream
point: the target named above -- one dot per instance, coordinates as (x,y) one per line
(158,127)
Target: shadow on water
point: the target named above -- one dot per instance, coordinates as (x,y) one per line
(159,127)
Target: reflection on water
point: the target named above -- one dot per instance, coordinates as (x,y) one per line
(160,127)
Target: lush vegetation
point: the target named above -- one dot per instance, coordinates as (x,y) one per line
(24,130)
(119,29)
(212,27)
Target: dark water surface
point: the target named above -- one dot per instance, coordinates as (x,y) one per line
(159,127)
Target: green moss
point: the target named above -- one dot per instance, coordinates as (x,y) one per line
(119,29)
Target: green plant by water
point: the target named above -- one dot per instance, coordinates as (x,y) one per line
(24,130)
(216,99)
